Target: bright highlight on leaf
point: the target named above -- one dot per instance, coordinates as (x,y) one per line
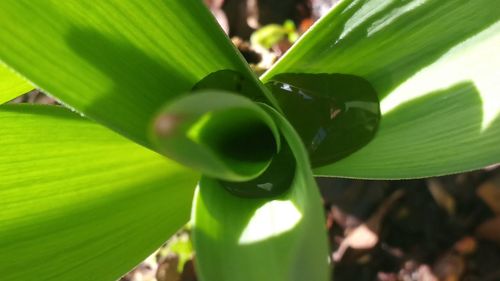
(272,219)
(283,237)
(11,84)
(475,60)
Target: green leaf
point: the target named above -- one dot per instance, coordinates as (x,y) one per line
(11,84)
(279,239)
(117,62)
(221,134)
(271,34)
(80,202)
(435,66)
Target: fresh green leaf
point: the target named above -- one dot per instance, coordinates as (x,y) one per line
(11,84)
(80,202)
(435,66)
(271,34)
(115,61)
(181,246)
(221,134)
(278,239)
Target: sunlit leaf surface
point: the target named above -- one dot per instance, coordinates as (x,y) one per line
(278,239)
(11,85)
(435,66)
(115,61)
(78,201)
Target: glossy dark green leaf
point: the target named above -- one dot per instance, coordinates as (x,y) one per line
(231,81)
(435,66)
(334,114)
(79,202)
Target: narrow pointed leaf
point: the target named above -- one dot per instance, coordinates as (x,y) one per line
(11,84)
(276,239)
(80,202)
(435,66)
(116,61)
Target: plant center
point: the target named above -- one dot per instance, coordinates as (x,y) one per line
(334,114)
(275,180)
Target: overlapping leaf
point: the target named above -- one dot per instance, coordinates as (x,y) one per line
(221,134)
(78,201)
(280,239)
(11,85)
(435,66)
(115,61)
(433,63)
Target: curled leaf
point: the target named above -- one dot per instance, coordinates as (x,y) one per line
(221,134)
(282,238)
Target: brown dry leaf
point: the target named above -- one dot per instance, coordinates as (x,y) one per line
(489,192)
(346,221)
(413,271)
(365,236)
(144,271)
(362,237)
(305,24)
(167,269)
(449,267)
(249,53)
(466,245)
(490,230)
(425,273)
(188,272)
(441,196)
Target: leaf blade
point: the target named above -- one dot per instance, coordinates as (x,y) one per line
(284,235)
(204,131)
(75,196)
(117,62)
(11,85)
(412,52)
